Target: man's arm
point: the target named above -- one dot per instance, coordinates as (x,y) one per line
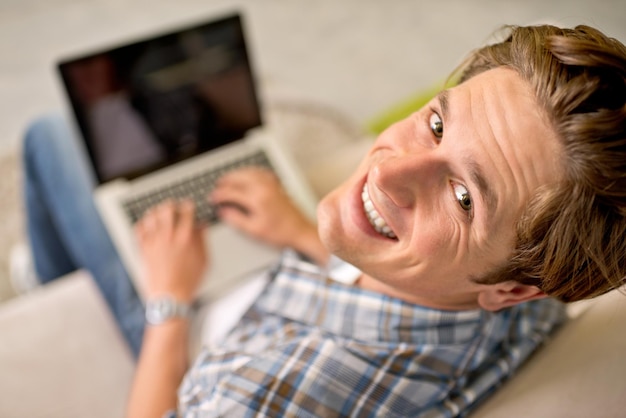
(162,364)
(174,256)
(253,200)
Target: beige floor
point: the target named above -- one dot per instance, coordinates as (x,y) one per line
(358,55)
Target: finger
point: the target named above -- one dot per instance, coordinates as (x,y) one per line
(244,178)
(165,215)
(240,197)
(186,215)
(235,217)
(139,232)
(145,228)
(147,221)
(145,215)
(236,179)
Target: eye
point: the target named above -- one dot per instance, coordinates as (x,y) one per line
(463,197)
(436,125)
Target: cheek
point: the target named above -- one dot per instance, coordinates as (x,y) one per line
(437,239)
(497,251)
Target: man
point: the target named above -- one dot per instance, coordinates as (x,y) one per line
(462,219)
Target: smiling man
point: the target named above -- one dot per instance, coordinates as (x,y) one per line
(464,229)
(436,200)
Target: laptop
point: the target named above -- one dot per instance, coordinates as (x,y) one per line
(168,115)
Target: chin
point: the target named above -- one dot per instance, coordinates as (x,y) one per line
(327,227)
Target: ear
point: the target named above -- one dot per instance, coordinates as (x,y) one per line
(502,295)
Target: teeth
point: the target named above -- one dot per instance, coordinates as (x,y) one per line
(377,222)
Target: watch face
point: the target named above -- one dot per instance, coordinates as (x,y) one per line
(160,310)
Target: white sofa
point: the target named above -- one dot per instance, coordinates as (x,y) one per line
(62,356)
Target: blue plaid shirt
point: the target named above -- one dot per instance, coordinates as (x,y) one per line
(312,347)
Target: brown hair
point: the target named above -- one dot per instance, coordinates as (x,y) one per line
(571,239)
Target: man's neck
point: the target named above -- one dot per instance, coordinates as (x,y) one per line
(374,285)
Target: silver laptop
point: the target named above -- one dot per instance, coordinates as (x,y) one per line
(165,117)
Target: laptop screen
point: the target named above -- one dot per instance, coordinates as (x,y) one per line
(146,105)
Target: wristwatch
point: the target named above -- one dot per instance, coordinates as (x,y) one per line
(162,309)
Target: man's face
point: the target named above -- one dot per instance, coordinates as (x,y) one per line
(443,189)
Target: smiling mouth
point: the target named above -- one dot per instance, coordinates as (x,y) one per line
(374,217)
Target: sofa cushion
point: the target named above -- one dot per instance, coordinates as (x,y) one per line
(61,354)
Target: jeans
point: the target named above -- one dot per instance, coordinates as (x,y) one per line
(65,230)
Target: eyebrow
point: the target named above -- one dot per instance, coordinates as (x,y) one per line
(487,193)
(444,100)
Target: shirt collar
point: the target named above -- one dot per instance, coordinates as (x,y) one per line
(301,292)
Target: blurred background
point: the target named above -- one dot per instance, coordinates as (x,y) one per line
(358,56)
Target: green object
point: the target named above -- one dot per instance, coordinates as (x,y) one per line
(401,110)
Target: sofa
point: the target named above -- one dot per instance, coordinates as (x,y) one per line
(62,356)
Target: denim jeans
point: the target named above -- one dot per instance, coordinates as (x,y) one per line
(65,230)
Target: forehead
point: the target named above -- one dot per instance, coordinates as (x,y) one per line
(506,138)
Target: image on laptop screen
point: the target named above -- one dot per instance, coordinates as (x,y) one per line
(151,103)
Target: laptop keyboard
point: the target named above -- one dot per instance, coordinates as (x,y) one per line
(196,187)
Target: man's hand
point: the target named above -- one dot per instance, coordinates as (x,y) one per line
(173,250)
(253,200)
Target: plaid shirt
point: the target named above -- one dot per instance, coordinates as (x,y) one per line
(312,347)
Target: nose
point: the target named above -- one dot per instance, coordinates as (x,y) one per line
(408,176)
